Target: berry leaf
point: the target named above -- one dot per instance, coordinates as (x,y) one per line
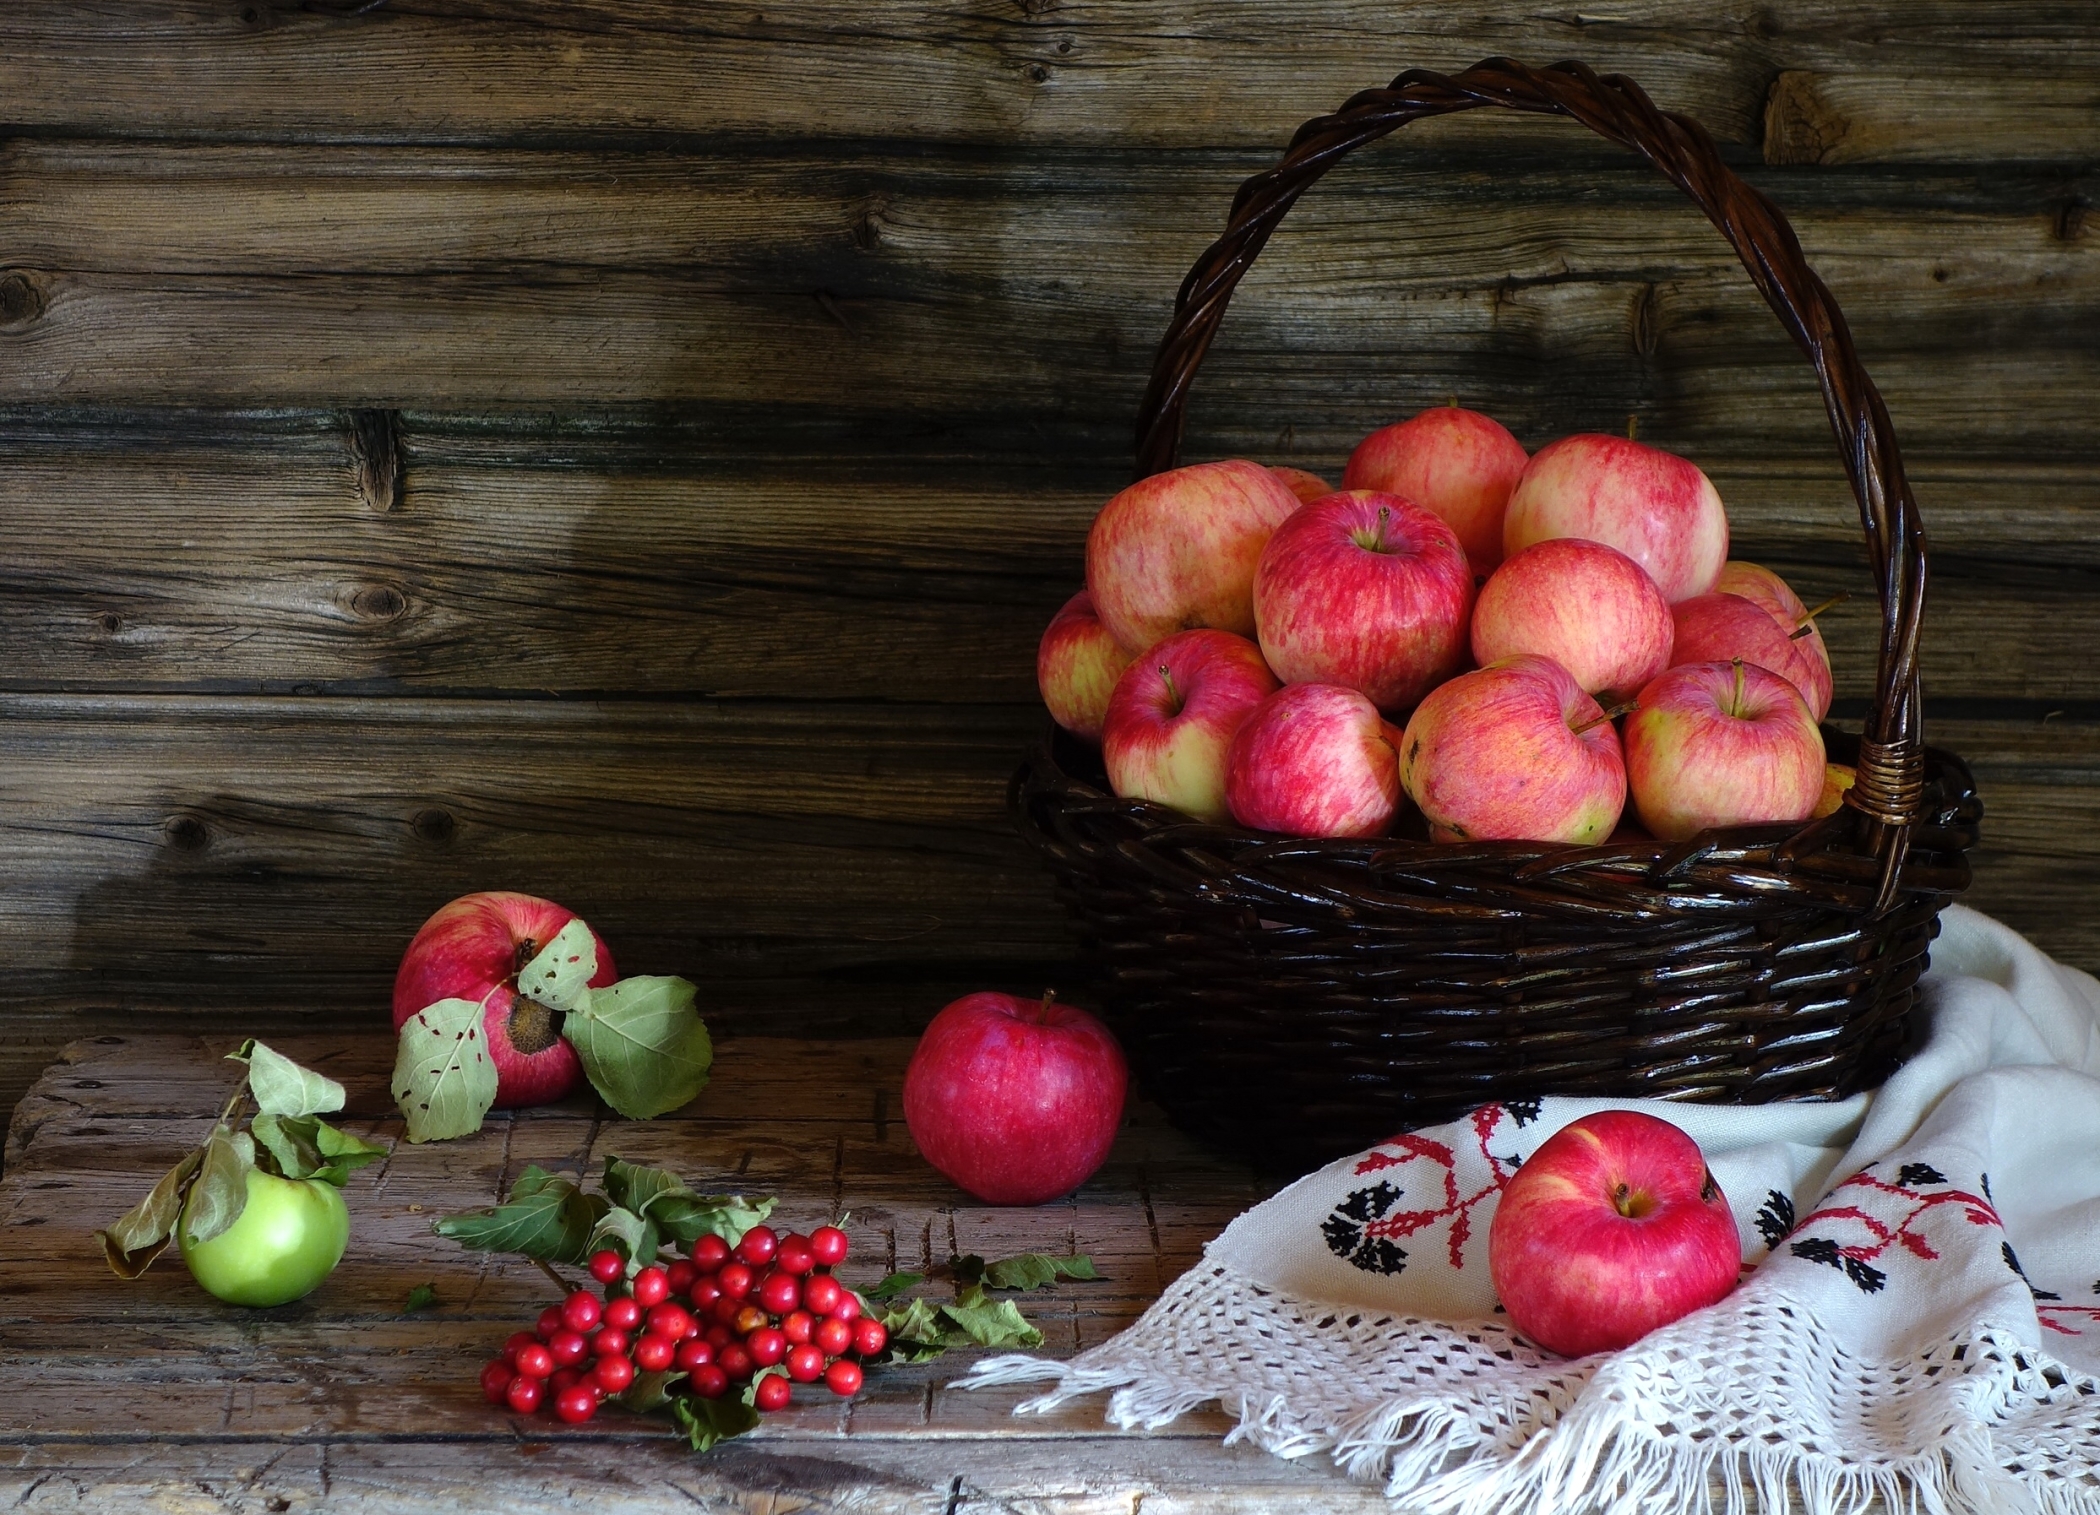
(708,1421)
(220,1192)
(548,1216)
(894,1285)
(648,1391)
(558,977)
(144,1231)
(917,1332)
(989,1322)
(421,1297)
(643,1047)
(281,1086)
(633,1236)
(1036,1270)
(443,1079)
(681,1215)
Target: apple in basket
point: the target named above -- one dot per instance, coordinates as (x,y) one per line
(1076,667)
(1457,464)
(1614,1227)
(1722,744)
(1760,622)
(1589,607)
(1173,716)
(1655,507)
(1314,760)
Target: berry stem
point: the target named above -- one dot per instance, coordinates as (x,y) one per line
(560,1283)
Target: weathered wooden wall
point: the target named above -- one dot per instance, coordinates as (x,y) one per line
(625,449)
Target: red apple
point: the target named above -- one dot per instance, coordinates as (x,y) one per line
(1457,464)
(1173,716)
(1655,507)
(1763,587)
(1614,1227)
(1719,628)
(1314,760)
(1178,550)
(1306,486)
(1514,751)
(1721,744)
(1076,667)
(472,949)
(1589,607)
(1017,1101)
(1366,590)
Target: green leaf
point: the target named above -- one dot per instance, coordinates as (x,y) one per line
(558,977)
(894,1285)
(547,1216)
(990,1322)
(648,1391)
(636,1187)
(144,1231)
(917,1332)
(634,1236)
(1036,1270)
(421,1297)
(643,1047)
(443,1079)
(967,1270)
(708,1421)
(282,1087)
(687,1218)
(286,1144)
(220,1192)
(344,1153)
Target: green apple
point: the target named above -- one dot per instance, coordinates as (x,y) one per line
(289,1238)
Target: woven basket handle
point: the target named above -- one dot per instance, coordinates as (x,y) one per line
(1891,759)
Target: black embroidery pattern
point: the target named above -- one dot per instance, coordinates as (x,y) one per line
(2012,1262)
(1523,1111)
(1910,1175)
(1775,1218)
(1817,1249)
(1345,1230)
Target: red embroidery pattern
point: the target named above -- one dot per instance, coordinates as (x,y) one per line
(1364,1228)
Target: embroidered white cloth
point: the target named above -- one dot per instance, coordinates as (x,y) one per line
(1920,1322)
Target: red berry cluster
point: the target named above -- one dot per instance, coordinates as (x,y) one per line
(721,1319)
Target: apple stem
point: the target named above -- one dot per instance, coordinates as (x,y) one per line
(1166,677)
(1385,519)
(1633,427)
(1049,999)
(1735,706)
(1808,617)
(560,1283)
(1452,401)
(226,1115)
(1608,713)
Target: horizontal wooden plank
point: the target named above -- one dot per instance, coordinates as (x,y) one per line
(1899,75)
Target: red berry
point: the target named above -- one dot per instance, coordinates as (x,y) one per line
(495,1378)
(772,1393)
(735,1280)
(680,1276)
(614,1374)
(798,1326)
(672,1321)
(550,1321)
(705,1292)
(724,1311)
(694,1354)
(607,1265)
(719,1336)
(650,1287)
(843,1377)
(581,1311)
(534,1361)
(564,1379)
(805,1364)
(568,1347)
(609,1343)
(758,1246)
(518,1339)
(780,1293)
(523,1394)
(654,1354)
(577,1404)
(709,1253)
(795,1257)
(820,1295)
(735,1361)
(848,1307)
(622,1314)
(766,1346)
(870,1337)
(750,1318)
(710,1382)
(827,1244)
(833,1335)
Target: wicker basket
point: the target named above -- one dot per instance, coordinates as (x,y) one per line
(1293,1000)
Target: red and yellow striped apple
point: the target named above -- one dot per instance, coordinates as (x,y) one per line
(1173,716)
(1314,760)
(1655,507)
(1457,464)
(1589,607)
(1721,744)
(1077,664)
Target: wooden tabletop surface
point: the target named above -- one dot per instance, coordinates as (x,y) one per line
(154,1396)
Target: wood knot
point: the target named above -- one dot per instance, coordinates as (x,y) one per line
(21,300)
(109,623)
(1037,74)
(1647,322)
(379,602)
(1034,8)
(434,825)
(867,224)
(1801,126)
(2069,222)
(186,833)
(375,454)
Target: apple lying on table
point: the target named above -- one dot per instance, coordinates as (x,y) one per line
(472,949)
(1016,1101)
(289,1236)
(1314,760)
(1614,1227)
(1655,507)
(1721,744)
(1173,716)
(1589,607)
(1457,464)
(1077,664)
(1366,590)
(1514,751)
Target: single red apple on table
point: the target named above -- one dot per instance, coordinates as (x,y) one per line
(1173,716)
(1306,486)
(472,949)
(1721,744)
(1365,590)
(1589,607)
(1314,760)
(1655,507)
(1077,664)
(1614,1227)
(1178,550)
(1515,751)
(1457,464)
(1017,1101)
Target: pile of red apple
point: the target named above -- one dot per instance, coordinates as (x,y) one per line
(1516,644)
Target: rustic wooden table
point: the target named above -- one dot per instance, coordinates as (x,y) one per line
(153,1396)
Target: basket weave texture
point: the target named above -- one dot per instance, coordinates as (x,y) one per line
(1293,1000)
